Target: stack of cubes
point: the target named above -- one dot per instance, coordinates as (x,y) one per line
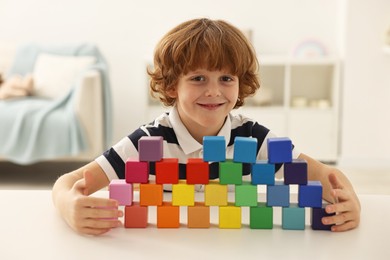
(216,191)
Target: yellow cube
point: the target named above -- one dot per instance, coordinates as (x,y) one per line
(183,194)
(216,194)
(229,217)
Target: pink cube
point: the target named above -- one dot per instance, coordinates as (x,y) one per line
(136,171)
(121,191)
(150,148)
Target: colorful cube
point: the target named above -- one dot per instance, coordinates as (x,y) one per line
(136,216)
(278,195)
(263,173)
(279,150)
(214,149)
(150,194)
(295,172)
(136,171)
(230,172)
(245,149)
(167,171)
(293,217)
(261,217)
(150,148)
(183,194)
(310,195)
(197,171)
(168,216)
(216,194)
(246,195)
(198,216)
(229,217)
(121,191)
(316,219)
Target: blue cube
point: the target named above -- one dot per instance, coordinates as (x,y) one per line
(310,195)
(279,150)
(295,172)
(245,149)
(263,173)
(214,149)
(278,195)
(293,217)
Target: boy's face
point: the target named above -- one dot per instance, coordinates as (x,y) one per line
(204,98)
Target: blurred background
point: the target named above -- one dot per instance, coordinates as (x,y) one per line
(343,44)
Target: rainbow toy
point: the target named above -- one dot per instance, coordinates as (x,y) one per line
(216,191)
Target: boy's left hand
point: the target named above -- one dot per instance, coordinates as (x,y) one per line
(346,207)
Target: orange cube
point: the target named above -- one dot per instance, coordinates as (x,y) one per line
(136,216)
(168,216)
(150,194)
(198,216)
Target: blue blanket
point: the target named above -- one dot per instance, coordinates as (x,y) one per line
(34,129)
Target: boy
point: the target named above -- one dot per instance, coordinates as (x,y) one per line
(203,69)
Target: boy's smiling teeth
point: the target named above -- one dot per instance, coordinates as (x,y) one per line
(211,105)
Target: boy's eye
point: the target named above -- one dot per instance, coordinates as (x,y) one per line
(226,78)
(198,78)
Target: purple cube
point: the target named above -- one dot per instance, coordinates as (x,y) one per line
(150,148)
(295,172)
(121,191)
(316,219)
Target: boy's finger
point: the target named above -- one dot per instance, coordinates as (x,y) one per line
(102,224)
(338,208)
(103,213)
(344,227)
(94,231)
(94,202)
(338,219)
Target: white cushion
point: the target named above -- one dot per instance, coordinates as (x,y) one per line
(54,75)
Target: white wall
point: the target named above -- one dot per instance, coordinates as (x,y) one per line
(127,31)
(366,85)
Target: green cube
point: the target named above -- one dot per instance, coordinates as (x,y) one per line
(261,217)
(293,217)
(230,172)
(246,195)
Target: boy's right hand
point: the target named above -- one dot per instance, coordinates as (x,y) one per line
(91,215)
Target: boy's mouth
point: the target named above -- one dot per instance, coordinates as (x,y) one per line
(211,106)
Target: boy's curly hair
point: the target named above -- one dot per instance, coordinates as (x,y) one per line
(208,44)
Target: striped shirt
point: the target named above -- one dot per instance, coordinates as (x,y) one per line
(178,143)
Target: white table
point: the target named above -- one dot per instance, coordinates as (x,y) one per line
(30,227)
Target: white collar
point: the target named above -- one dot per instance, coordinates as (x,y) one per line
(186,141)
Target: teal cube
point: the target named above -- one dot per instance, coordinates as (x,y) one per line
(293,217)
(230,172)
(263,173)
(246,195)
(245,149)
(261,217)
(214,149)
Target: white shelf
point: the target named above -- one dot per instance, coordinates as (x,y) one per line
(313,83)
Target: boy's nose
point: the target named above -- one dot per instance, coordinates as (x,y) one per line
(213,90)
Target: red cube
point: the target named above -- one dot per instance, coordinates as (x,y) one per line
(197,171)
(167,171)
(136,216)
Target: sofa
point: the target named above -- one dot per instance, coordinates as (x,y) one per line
(67,116)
